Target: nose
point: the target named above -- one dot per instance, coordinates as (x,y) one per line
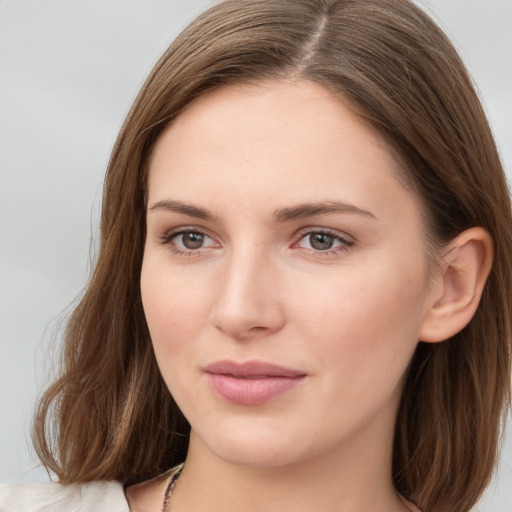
(248,303)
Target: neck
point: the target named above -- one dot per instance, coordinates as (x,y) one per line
(344,480)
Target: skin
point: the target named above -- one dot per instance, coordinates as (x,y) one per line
(256,288)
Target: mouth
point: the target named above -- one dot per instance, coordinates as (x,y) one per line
(252,382)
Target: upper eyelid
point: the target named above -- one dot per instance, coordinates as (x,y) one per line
(330,231)
(186,229)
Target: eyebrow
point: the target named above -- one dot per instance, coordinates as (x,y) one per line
(186,209)
(300,211)
(311,209)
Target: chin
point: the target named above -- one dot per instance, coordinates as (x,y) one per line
(257,457)
(256,447)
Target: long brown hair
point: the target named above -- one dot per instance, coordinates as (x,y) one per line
(110,415)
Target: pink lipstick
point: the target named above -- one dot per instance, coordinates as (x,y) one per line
(251,382)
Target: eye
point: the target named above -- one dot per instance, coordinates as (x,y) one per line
(190,240)
(186,241)
(324,241)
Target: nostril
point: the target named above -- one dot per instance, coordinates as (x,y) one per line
(257,329)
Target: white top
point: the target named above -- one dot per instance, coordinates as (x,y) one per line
(100,496)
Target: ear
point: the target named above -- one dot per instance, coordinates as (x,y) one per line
(458,286)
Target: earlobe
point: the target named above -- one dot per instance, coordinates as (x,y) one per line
(465,267)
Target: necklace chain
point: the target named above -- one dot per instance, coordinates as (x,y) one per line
(167,495)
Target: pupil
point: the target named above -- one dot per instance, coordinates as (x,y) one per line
(193,240)
(321,241)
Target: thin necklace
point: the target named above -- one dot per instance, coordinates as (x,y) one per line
(170,487)
(406,506)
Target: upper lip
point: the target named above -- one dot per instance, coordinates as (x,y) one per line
(251,369)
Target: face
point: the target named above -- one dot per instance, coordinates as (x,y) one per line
(285,277)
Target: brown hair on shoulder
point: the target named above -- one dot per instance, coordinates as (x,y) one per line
(110,416)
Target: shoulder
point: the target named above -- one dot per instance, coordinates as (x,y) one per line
(45,497)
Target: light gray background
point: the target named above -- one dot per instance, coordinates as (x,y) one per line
(69,71)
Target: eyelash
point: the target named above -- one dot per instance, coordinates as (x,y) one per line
(345,242)
(169,236)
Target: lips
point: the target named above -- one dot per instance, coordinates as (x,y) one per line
(251,382)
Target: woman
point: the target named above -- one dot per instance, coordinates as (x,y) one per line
(302,192)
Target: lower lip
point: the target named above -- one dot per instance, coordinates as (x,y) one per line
(251,391)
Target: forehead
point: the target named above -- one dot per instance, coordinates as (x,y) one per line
(294,141)
(294,111)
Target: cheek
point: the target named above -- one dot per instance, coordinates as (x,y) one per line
(175,304)
(365,318)
(176,310)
